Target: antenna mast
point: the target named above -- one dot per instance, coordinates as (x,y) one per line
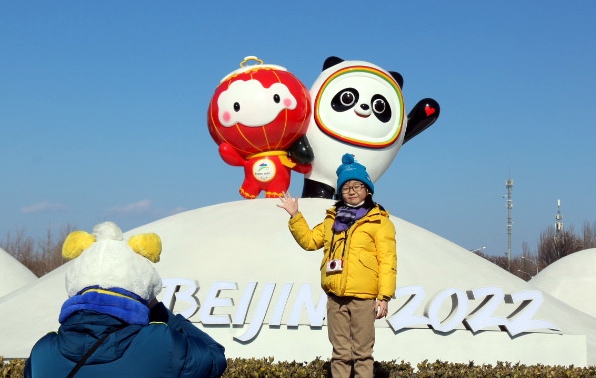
(559,219)
(509,186)
(558,226)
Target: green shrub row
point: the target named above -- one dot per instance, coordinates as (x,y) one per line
(12,369)
(267,368)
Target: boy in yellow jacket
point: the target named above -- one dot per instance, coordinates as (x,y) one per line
(358,269)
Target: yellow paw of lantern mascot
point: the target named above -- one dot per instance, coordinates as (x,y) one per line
(112,324)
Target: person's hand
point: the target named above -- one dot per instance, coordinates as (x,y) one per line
(288,203)
(382,308)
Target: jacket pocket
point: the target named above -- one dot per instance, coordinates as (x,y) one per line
(369,261)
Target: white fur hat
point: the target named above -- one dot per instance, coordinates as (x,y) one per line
(106,260)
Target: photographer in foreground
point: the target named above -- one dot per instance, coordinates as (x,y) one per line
(112,324)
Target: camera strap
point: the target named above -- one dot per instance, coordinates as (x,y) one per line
(92,350)
(332,247)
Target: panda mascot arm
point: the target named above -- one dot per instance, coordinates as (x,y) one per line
(422,115)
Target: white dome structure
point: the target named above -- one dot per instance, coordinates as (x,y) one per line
(571,280)
(236,272)
(13,274)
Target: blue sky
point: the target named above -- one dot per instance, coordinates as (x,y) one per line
(103,107)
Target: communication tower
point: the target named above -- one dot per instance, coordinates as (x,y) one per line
(509,186)
(558,219)
(558,227)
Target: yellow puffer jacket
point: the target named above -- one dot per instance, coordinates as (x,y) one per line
(369,258)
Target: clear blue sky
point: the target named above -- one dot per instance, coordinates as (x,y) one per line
(103,107)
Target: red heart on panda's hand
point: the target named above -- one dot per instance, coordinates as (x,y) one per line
(429,111)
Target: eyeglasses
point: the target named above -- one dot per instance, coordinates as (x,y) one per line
(355,188)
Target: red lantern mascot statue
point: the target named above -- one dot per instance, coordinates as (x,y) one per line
(258,116)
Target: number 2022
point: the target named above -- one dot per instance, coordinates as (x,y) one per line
(480,318)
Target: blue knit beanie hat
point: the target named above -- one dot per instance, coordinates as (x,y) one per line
(351,170)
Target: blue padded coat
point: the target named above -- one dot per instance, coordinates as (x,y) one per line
(173,347)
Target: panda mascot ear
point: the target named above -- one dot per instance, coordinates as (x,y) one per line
(146,245)
(75,243)
(398,78)
(331,61)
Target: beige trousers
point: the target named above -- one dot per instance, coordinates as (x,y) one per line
(351,329)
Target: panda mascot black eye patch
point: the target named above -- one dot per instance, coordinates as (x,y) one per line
(345,100)
(381,108)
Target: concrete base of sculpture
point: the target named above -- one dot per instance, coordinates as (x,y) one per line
(235,271)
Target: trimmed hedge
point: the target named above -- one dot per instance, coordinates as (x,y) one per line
(12,368)
(267,368)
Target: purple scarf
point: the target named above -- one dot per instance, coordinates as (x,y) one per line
(347,215)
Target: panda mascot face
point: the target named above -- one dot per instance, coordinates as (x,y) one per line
(360,105)
(358,108)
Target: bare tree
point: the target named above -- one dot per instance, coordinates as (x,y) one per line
(41,257)
(589,235)
(497,260)
(553,246)
(50,251)
(528,263)
(21,247)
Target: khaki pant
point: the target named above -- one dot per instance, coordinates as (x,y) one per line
(351,328)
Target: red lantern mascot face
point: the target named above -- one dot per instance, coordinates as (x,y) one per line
(258,109)
(258,112)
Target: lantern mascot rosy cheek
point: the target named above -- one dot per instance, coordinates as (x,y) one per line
(112,324)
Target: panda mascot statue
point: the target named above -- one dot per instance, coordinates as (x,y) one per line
(358,108)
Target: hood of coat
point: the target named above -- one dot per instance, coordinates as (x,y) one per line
(81,331)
